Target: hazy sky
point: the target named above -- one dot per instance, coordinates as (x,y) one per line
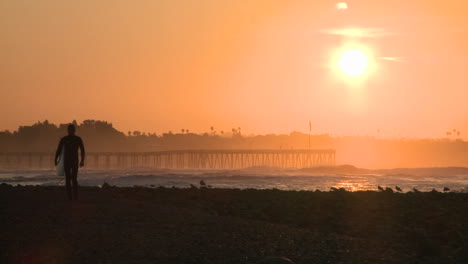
(264,66)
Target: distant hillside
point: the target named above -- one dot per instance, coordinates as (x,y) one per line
(349,169)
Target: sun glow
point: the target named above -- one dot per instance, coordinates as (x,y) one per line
(342,6)
(353,62)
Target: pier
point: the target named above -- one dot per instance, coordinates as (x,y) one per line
(181,159)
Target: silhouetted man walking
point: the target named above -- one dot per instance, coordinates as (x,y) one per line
(70,145)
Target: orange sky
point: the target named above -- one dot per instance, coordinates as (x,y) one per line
(262,65)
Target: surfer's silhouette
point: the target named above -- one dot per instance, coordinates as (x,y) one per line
(70,145)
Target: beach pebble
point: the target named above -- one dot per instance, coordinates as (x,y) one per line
(276,260)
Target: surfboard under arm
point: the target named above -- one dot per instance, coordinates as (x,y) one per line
(60,168)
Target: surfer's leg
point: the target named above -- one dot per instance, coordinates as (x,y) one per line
(68,178)
(74,174)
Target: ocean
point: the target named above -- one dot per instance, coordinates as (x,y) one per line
(347,177)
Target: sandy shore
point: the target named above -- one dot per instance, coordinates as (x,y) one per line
(141,225)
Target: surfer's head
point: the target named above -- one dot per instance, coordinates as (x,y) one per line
(71,129)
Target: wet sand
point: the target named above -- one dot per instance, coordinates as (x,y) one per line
(164,225)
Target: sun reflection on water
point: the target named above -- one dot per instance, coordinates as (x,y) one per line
(351,186)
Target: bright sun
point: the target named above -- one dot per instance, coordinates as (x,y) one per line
(353,62)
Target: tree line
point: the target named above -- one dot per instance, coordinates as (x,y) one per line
(370,152)
(101,136)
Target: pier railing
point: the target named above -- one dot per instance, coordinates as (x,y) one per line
(181,159)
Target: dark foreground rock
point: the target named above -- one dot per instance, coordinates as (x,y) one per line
(142,225)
